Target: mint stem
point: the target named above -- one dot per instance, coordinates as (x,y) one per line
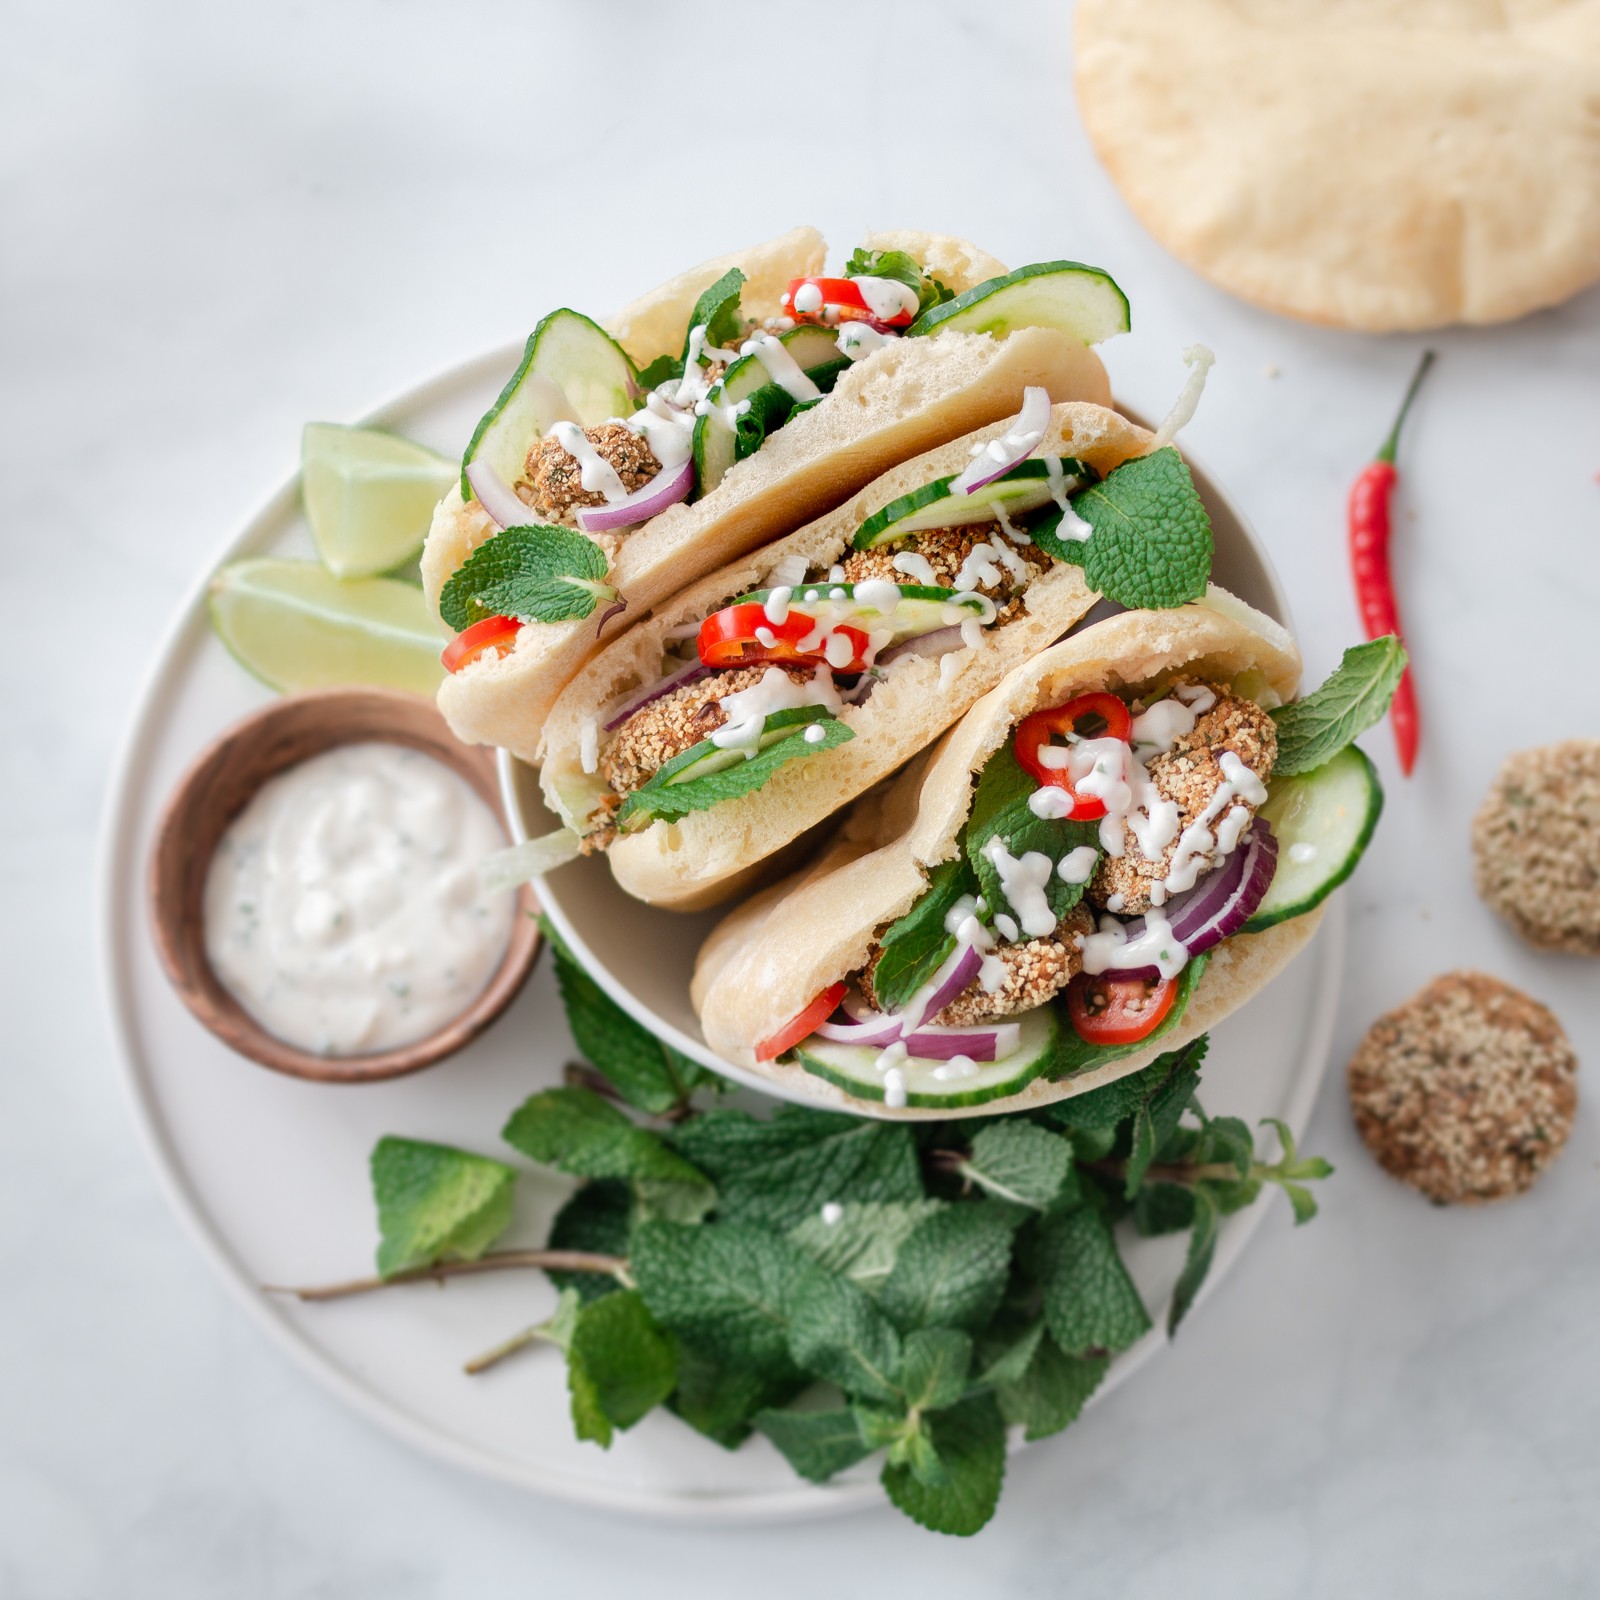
(498,1261)
(506,1347)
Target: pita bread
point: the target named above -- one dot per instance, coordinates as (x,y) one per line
(1376,164)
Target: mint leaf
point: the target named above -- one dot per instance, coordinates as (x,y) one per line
(903,268)
(1007,1358)
(838,1333)
(1313,730)
(1157,1117)
(537,573)
(662,370)
(1052,1391)
(1197,1263)
(436,1202)
(1090,1303)
(1163,1208)
(780,1172)
(1074,1054)
(722,1401)
(717,311)
(645,1071)
(580,1133)
(862,1243)
(598,1218)
(664,801)
(1151,546)
(620,1365)
(817,1444)
(936,1363)
(1019,1161)
(970,1440)
(914,946)
(953,1269)
(721,1288)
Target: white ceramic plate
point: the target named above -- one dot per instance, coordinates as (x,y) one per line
(268,1174)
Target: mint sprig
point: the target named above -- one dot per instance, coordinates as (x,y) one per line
(436,1203)
(1355,695)
(903,268)
(537,573)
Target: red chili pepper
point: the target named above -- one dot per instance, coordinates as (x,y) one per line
(1369,561)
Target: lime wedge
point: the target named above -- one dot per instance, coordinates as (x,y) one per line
(369,496)
(297,627)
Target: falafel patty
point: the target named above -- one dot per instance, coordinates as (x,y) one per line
(1189,774)
(945,551)
(552,481)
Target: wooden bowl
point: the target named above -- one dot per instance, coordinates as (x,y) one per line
(213,792)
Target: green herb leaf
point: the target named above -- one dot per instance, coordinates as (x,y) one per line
(817,1444)
(1008,1362)
(1159,1112)
(1228,1139)
(436,1202)
(1197,1263)
(1151,546)
(620,1365)
(903,268)
(914,946)
(537,573)
(952,1271)
(1052,1391)
(722,1401)
(662,370)
(1313,730)
(717,311)
(644,1070)
(1090,1303)
(970,1439)
(1163,1208)
(863,1242)
(837,1332)
(668,802)
(935,1369)
(722,1288)
(1074,1054)
(1019,1161)
(578,1132)
(598,1218)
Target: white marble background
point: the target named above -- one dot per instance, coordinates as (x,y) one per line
(221,221)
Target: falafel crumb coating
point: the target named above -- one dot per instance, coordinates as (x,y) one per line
(1467,1092)
(1190,773)
(552,482)
(945,550)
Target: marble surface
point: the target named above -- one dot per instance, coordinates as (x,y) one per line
(223,222)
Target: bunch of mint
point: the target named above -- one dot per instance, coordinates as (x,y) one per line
(845,1287)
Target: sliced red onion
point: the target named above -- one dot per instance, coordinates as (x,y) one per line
(879,1031)
(1017,443)
(1219,905)
(940,642)
(619,604)
(684,675)
(977,1044)
(667,488)
(957,970)
(502,503)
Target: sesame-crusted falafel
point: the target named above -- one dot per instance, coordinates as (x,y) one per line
(552,479)
(946,550)
(1190,773)
(1536,845)
(1467,1092)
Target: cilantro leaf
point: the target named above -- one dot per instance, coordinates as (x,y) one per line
(817,1444)
(903,268)
(862,1243)
(1090,1303)
(538,573)
(1019,1161)
(578,1132)
(837,1332)
(668,802)
(970,1440)
(1074,1054)
(1052,1391)
(1197,1262)
(953,1269)
(936,1363)
(647,1072)
(1151,546)
(915,945)
(598,1219)
(1313,730)
(435,1202)
(722,1288)
(620,1365)
(717,311)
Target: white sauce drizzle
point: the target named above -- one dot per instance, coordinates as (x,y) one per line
(956,1067)
(916,566)
(595,473)
(781,367)
(1023,879)
(807,300)
(747,710)
(776,606)
(887,298)
(858,340)
(1076,866)
(832,1214)
(668,431)
(1155,947)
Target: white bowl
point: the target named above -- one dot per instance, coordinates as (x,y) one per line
(643,956)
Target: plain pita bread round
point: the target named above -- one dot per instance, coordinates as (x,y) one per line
(1378,164)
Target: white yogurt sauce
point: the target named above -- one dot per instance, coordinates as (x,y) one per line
(343,907)
(595,473)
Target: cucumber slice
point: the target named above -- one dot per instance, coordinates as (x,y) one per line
(1327,817)
(1079,300)
(717,446)
(1026,487)
(572,371)
(853,1067)
(703,758)
(922,608)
